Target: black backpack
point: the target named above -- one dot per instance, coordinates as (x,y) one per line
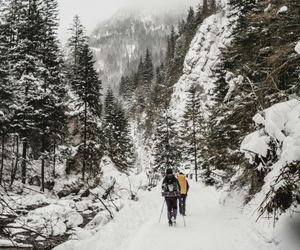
(170,187)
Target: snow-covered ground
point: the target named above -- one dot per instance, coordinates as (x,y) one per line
(210,225)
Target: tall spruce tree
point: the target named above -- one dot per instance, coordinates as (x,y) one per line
(6,93)
(148,73)
(167,153)
(119,145)
(87,86)
(192,129)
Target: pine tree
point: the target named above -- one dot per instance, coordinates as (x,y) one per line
(6,93)
(26,67)
(167,153)
(87,86)
(116,130)
(76,41)
(123,153)
(148,73)
(193,128)
(213,6)
(190,25)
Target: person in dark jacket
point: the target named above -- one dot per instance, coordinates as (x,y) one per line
(184,188)
(171,191)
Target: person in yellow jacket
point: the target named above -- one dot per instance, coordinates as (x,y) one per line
(184,188)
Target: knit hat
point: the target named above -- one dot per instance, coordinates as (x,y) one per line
(169,171)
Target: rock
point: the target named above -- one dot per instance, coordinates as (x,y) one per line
(86,193)
(74,219)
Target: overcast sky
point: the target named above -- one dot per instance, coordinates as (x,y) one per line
(91,12)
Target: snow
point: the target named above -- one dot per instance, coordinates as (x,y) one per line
(203,57)
(282,10)
(210,225)
(10,244)
(297,48)
(54,219)
(268,9)
(279,124)
(233,83)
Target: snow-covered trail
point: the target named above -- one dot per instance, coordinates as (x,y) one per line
(210,226)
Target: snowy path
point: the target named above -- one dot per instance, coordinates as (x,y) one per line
(210,226)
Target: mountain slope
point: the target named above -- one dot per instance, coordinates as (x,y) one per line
(119,42)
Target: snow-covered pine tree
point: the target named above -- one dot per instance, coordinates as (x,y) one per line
(166,152)
(124,152)
(127,88)
(109,109)
(85,83)
(140,98)
(6,93)
(148,73)
(190,25)
(118,144)
(52,121)
(76,41)
(26,70)
(192,130)
(205,10)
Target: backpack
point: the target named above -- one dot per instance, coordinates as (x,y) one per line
(170,187)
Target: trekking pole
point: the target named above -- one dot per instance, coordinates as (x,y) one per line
(183,220)
(161,211)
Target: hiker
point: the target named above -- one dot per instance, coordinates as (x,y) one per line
(184,188)
(171,191)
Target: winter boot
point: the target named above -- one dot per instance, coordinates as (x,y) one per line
(173,221)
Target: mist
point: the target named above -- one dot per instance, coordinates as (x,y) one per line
(91,12)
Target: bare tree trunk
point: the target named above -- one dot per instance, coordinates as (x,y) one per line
(15,167)
(2,159)
(84,141)
(195,149)
(43,164)
(12,161)
(24,160)
(54,158)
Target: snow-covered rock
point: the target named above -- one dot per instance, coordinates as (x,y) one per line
(297,48)
(282,10)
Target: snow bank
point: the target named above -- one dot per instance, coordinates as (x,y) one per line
(281,124)
(117,232)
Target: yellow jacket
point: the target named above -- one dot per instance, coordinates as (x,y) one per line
(184,185)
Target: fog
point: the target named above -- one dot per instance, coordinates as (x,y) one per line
(92,12)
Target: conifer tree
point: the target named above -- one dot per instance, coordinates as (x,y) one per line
(26,28)
(148,72)
(205,9)
(192,129)
(117,135)
(87,86)
(190,25)
(167,153)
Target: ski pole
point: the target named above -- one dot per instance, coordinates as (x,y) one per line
(161,211)
(183,220)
